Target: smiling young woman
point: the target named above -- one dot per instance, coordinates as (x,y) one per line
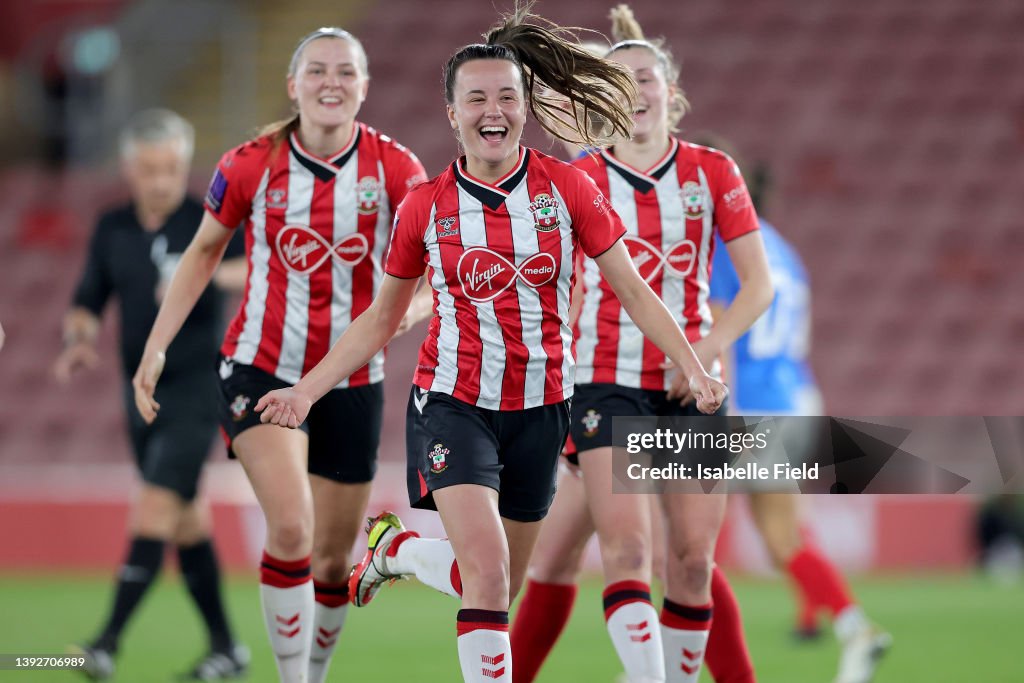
(497,233)
(316,195)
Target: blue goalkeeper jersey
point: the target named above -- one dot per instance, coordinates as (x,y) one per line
(770,373)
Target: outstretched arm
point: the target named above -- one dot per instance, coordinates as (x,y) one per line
(193,274)
(364,337)
(753,298)
(657,324)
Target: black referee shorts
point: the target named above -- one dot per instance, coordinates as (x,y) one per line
(343,426)
(170,452)
(515,452)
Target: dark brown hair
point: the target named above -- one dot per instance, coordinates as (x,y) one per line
(627,34)
(601,93)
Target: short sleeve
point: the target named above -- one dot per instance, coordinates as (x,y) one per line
(595,222)
(734,210)
(95,286)
(725,284)
(407,252)
(402,171)
(229,196)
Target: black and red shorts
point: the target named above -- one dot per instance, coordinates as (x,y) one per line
(343,426)
(514,452)
(594,406)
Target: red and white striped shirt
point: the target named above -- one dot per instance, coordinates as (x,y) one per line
(500,261)
(316,231)
(671,213)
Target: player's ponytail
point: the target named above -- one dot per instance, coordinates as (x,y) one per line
(555,69)
(628,34)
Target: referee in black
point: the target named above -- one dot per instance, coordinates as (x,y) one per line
(132,256)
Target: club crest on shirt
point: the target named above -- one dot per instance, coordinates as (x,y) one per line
(368,195)
(545,212)
(447,226)
(240,407)
(694,199)
(276,198)
(590,422)
(438,464)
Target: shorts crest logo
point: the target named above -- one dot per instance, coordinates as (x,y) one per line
(545,212)
(590,422)
(368,195)
(694,200)
(438,464)
(240,407)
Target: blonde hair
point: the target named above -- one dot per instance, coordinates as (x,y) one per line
(627,34)
(280,130)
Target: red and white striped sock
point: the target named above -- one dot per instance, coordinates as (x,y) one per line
(485,653)
(633,626)
(684,632)
(286,593)
(431,560)
(329,618)
(542,615)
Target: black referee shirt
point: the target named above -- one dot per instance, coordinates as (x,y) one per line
(127,262)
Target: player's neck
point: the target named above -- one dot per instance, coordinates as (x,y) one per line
(325,142)
(643,153)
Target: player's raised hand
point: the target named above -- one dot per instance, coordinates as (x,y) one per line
(709,392)
(284,407)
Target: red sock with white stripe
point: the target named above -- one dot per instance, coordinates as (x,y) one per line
(542,615)
(727,656)
(485,653)
(329,618)
(431,560)
(684,633)
(633,626)
(286,593)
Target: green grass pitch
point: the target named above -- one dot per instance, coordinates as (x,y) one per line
(946,630)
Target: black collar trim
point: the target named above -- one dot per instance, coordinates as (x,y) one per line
(492,196)
(325,169)
(644,182)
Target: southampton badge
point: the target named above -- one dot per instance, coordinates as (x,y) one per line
(240,407)
(693,199)
(438,464)
(368,195)
(545,212)
(590,422)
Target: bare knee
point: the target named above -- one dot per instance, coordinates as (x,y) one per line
(332,567)
(193,524)
(485,582)
(626,555)
(689,574)
(157,513)
(290,536)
